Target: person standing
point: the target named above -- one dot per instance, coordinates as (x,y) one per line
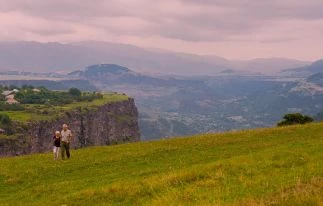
(57,144)
(66,138)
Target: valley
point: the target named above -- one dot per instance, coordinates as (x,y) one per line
(176,106)
(180,105)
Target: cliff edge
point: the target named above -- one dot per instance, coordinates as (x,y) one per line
(110,123)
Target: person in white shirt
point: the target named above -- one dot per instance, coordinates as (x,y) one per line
(66,138)
(57,144)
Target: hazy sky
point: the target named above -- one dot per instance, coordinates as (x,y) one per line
(241,29)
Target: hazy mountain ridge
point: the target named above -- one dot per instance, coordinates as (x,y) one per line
(315,67)
(311,85)
(316,79)
(112,75)
(35,56)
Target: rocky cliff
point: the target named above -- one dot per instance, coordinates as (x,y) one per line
(109,124)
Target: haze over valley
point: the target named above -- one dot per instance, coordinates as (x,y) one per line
(186,105)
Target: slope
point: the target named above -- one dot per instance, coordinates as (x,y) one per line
(279,166)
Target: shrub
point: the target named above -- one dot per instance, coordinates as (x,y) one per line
(295,118)
(5,119)
(10,107)
(75,92)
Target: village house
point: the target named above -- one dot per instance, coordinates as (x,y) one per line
(36,90)
(11,100)
(9,92)
(6,93)
(10,96)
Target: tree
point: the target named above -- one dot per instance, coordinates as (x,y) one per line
(295,118)
(75,92)
(5,119)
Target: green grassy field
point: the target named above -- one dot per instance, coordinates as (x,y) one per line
(53,111)
(279,166)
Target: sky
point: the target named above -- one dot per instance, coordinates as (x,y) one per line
(234,29)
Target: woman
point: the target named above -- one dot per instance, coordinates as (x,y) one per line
(57,144)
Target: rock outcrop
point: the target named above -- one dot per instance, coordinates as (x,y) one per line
(111,123)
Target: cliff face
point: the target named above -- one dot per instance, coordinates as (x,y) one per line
(111,123)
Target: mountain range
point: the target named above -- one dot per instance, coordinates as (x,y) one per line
(35,56)
(177,94)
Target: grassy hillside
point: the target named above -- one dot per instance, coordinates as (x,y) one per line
(280,166)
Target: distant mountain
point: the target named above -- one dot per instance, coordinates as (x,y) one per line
(315,67)
(97,70)
(34,56)
(112,75)
(316,79)
(271,65)
(311,86)
(260,65)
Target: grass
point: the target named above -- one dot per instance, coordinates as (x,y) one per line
(27,115)
(2,136)
(24,116)
(278,166)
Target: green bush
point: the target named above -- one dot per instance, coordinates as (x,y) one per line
(5,119)
(75,92)
(11,107)
(295,118)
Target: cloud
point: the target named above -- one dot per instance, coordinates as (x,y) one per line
(190,22)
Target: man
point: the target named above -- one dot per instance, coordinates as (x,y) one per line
(66,138)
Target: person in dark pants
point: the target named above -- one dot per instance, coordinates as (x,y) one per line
(66,138)
(57,144)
